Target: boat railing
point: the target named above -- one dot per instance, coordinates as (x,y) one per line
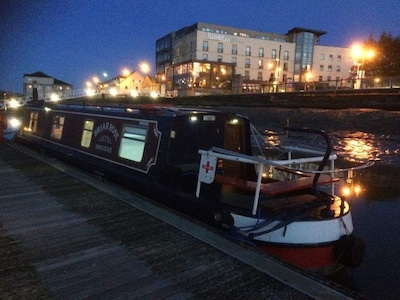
(209,161)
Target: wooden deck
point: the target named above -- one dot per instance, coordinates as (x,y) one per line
(63,238)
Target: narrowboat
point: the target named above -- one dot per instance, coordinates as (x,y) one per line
(202,163)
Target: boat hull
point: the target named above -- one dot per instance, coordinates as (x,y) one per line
(310,244)
(308,257)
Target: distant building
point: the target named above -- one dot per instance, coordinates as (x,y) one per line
(135,83)
(45,84)
(207,59)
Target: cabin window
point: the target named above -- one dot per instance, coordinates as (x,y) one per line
(57,127)
(132,142)
(87,133)
(33,120)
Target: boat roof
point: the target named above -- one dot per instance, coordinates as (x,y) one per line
(124,107)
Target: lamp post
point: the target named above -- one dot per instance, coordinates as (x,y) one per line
(360,54)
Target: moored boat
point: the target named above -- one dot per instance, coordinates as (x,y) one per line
(201,162)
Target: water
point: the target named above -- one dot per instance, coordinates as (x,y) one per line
(358,136)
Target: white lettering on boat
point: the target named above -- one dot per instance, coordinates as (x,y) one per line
(103,148)
(107,126)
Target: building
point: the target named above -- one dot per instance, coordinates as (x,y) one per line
(134,83)
(208,59)
(45,84)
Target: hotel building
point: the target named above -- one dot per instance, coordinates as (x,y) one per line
(211,59)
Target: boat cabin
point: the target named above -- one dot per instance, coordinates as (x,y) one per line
(150,143)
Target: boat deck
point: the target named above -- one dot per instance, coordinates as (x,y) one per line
(67,235)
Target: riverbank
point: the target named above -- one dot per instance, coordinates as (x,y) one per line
(387,99)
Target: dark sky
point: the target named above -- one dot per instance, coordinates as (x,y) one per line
(74,40)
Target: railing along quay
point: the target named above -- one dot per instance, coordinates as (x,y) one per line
(66,234)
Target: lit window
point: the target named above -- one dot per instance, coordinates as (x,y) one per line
(33,120)
(132,143)
(260,64)
(57,127)
(87,133)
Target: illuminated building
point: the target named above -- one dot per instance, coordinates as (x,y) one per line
(134,83)
(212,59)
(45,84)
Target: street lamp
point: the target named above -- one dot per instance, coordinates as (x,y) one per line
(360,54)
(308,77)
(125,72)
(144,67)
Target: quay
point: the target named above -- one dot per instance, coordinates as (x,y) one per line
(67,235)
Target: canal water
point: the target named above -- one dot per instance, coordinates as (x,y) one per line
(358,135)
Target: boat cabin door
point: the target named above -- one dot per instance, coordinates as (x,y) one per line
(235,140)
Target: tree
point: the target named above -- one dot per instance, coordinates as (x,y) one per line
(386,62)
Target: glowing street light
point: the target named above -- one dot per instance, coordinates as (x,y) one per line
(144,67)
(54,97)
(126,72)
(113,91)
(309,76)
(89,92)
(360,54)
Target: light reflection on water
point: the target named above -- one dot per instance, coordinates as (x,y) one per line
(361,146)
(352,146)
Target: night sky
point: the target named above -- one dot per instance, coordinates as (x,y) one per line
(74,40)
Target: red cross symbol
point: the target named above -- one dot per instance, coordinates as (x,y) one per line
(207,167)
